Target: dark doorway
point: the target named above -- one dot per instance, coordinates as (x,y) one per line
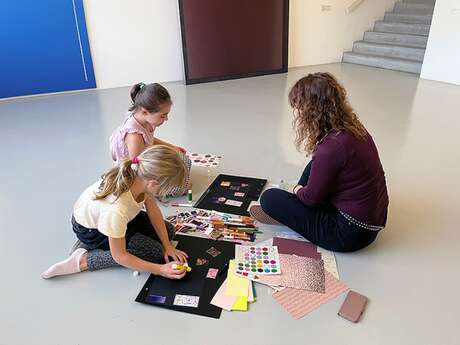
(229,39)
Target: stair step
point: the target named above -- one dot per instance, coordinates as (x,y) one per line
(394,38)
(413,8)
(393,17)
(399,41)
(402,28)
(403,65)
(394,51)
(431,2)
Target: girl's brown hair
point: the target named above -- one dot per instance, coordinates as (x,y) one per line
(149,96)
(320,106)
(159,162)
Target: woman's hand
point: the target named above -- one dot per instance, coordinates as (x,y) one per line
(175,254)
(296,188)
(168,271)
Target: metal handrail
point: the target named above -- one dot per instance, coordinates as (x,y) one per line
(350,5)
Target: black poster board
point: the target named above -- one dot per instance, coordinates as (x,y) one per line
(195,283)
(227,189)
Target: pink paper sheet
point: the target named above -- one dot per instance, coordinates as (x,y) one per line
(299,303)
(222,300)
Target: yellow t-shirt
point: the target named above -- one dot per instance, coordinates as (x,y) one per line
(108,215)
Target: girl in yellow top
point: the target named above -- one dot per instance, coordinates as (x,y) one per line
(111,226)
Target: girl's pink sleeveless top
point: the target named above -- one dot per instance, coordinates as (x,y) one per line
(117,139)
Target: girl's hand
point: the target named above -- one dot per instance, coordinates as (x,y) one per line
(175,254)
(168,271)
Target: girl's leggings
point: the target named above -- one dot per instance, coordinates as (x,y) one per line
(141,241)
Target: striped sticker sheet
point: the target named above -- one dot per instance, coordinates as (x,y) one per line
(299,303)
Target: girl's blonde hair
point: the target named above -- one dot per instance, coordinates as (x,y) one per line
(159,162)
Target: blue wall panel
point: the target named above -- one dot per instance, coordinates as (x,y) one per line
(44,47)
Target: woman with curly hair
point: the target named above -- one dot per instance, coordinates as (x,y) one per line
(340,202)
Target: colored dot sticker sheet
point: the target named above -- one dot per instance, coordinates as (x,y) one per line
(203,159)
(255,260)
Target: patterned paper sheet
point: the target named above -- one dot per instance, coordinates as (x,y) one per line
(299,303)
(212,273)
(330,263)
(203,159)
(299,273)
(186,301)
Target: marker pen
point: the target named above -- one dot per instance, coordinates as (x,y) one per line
(181,205)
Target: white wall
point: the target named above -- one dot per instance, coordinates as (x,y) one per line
(139,40)
(442,56)
(132,41)
(318,37)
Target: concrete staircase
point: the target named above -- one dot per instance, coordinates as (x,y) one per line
(398,42)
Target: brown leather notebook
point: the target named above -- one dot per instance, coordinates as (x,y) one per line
(353,306)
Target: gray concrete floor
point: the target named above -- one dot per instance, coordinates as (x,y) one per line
(54,146)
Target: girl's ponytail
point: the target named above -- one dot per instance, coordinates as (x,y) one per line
(149,96)
(135,90)
(117,180)
(159,162)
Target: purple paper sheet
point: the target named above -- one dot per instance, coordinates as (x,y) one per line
(300,248)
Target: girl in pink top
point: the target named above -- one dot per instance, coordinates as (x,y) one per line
(151,106)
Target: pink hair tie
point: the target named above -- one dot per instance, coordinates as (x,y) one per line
(135,160)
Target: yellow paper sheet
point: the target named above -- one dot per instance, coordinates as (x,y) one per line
(236,285)
(241,304)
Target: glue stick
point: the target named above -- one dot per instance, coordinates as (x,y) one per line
(189,195)
(180,267)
